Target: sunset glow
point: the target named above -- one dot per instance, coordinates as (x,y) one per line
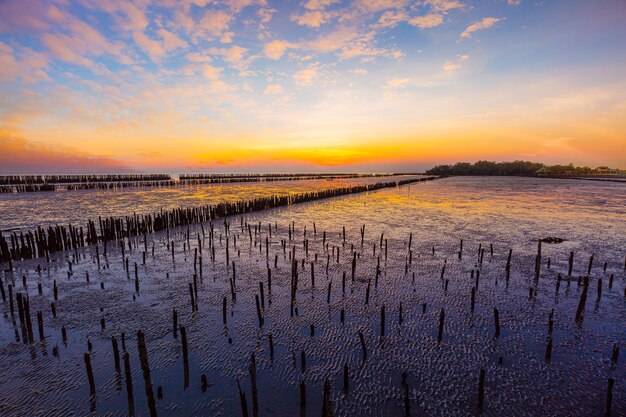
(312,85)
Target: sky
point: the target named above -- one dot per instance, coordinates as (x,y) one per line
(310,85)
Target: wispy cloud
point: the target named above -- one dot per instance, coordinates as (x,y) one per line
(397,83)
(319,4)
(444,6)
(484,23)
(314,19)
(450,67)
(308,75)
(211,73)
(426,21)
(9,69)
(273,89)
(237,56)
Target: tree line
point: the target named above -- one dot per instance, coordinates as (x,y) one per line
(521,168)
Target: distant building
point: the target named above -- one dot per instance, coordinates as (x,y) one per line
(542,172)
(607,172)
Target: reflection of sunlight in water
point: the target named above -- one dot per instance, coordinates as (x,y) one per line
(76,207)
(517,210)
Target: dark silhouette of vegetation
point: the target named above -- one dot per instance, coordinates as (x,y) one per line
(519,168)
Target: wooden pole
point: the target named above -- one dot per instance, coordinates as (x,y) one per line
(116,354)
(583,300)
(255,393)
(129,385)
(496,319)
(609,398)
(302,399)
(183,337)
(92,384)
(363,348)
(481,391)
(442,316)
(258,311)
(145,367)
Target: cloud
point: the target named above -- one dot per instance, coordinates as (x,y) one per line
(312,19)
(20,156)
(227,37)
(333,41)
(156,49)
(171,40)
(450,67)
(197,57)
(443,6)
(319,4)
(397,83)
(219,86)
(23,15)
(352,44)
(276,49)
(379,5)
(484,23)
(130,16)
(427,21)
(238,5)
(89,40)
(215,22)
(55,14)
(81,41)
(23,63)
(9,68)
(514,2)
(236,56)
(153,48)
(346,42)
(265,14)
(307,76)
(211,73)
(359,71)
(273,89)
(61,47)
(390,18)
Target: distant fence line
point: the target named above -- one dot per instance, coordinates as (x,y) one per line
(87,178)
(44,241)
(281,176)
(28,188)
(35,183)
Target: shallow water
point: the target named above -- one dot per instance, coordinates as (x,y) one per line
(29,210)
(509,213)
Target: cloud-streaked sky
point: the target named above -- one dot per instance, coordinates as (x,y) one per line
(387,85)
